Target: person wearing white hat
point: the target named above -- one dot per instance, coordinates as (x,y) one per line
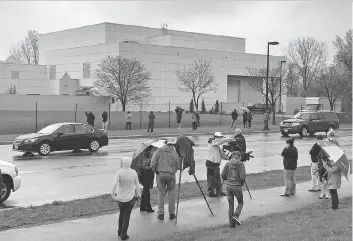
(165,162)
(213,160)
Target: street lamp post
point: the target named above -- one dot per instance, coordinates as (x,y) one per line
(268,68)
(280,88)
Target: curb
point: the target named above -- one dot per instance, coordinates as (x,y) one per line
(175,134)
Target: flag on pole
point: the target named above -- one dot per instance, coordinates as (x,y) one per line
(338,156)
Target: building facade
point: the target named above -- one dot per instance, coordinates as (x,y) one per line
(78,52)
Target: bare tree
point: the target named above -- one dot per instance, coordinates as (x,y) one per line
(124,79)
(197,78)
(343,61)
(293,81)
(86,90)
(309,57)
(329,84)
(27,50)
(256,83)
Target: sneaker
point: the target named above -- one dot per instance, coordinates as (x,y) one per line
(150,210)
(326,197)
(172,216)
(125,237)
(333,209)
(312,190)
(236,219)
(321,196)
(285,195)
(160,216)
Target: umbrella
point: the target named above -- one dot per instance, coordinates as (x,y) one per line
(244,109)
(338,156)
(140,152)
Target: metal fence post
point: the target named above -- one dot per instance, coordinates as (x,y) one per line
(76,112)
(141,116)
(169,115)
(109,115)
(36,116)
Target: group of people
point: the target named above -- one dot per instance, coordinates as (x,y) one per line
(326,177)
(247,118)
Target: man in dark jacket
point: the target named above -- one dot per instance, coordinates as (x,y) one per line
(179,115)
(151,118)
(314,152)
(105,120)
(234,119)
(90,118)
(290,158)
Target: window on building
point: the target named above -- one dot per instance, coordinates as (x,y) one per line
(15,75)
(86,70)
(52,72)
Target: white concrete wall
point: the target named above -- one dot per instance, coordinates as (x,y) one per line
(32,79)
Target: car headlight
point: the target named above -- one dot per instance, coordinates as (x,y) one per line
(295,124)
(31,140)
(16,170)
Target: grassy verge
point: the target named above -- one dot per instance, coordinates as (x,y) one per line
(314,222)
(104,204)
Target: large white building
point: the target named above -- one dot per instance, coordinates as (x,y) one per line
(78,52)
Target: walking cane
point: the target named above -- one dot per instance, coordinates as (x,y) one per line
(248,189)
(198,184)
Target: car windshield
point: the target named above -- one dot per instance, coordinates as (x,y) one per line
(49,129)
(300,115)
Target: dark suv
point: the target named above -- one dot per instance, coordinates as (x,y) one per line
(308,122)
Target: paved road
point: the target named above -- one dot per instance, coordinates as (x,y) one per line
(65,176)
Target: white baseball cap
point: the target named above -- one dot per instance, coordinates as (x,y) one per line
(218,134)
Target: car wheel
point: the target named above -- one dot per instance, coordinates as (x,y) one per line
(94,145)
(330,127)
(44,149)
(303,131)
(5,190)
(284,134)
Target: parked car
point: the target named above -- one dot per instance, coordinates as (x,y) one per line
(259,108)
(10,180)
(307,123)
(62,137)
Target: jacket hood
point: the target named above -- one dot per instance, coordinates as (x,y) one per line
(234,162)
(125,162)
(168,148)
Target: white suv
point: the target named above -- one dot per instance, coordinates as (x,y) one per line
(10,180)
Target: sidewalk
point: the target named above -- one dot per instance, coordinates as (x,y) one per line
(163,132)
(193,214)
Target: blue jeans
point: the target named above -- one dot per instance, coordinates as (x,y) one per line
(238,194)
(166,183)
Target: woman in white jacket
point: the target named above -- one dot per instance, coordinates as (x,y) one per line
(126,191)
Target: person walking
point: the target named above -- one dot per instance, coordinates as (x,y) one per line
(151,119)
(126,191)
(194,121)
(245,114)
(290,159)
(90,117)
(165,163)
(105,120)
(234,175)
(266,119)
(198,119)
(234,119)
(249,118)
(179,115)
(146,178)
(128,120)
(213,161)
(314,153)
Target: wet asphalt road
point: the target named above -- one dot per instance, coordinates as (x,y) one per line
(64,176)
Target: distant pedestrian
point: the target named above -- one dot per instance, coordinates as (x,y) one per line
(290,159)
(266,119)
(194,121)
(126,190)
(165,163)
(90,117)
(151,119)
(198,119)
(128,120)
(105,120)
(314,153)
(234,175)
(245,119)
(234,119)
(249,118)
(179,115)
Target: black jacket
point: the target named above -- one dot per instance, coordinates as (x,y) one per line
(90,118)
(240,142)
(234,115)
(105,116)
(290,158)
(314,152)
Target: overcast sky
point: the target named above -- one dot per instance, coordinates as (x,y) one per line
(258,22)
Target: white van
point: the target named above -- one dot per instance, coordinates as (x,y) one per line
(11,181)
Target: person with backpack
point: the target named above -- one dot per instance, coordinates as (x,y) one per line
(234,119)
